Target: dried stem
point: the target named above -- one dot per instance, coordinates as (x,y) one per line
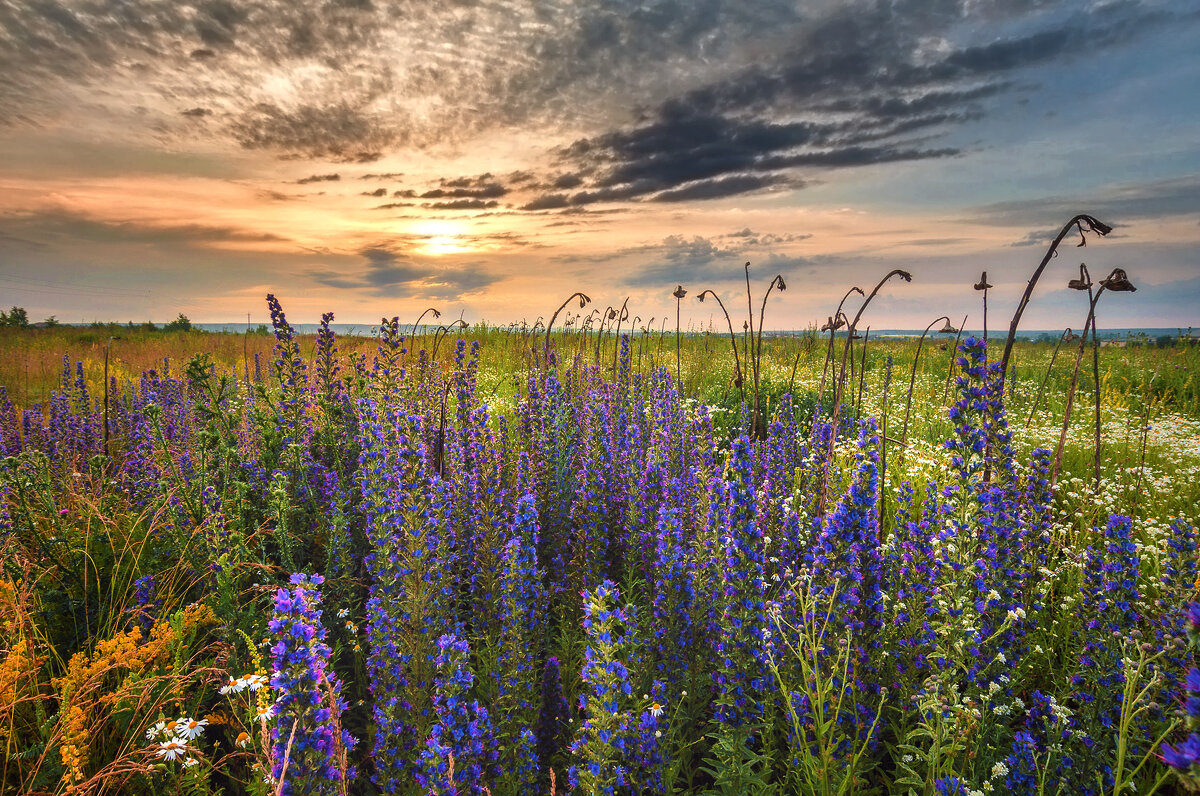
(583,302)
(840,386)
(757,417)
(1037,400)
(737,367)
(953,357)
(912,379)
(862,372)
(1079,222)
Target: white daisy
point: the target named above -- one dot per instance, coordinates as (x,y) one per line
(191,728)
(156,730)
(169,750)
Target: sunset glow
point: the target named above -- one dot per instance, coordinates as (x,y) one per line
(492,158)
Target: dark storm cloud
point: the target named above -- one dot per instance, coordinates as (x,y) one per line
(489,191)
(1039,237)
(337,131)
(318,178)
(719,189)
(565,182)
(551,201)
(463,204)
(859,86)
(471,66)
(748,237)
(386,274)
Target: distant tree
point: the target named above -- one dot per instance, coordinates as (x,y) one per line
(17,317)
(51,322)
(180,324)
(148,326)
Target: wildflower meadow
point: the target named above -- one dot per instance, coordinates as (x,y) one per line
(505,562)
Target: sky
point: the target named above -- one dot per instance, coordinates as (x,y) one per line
(376,157)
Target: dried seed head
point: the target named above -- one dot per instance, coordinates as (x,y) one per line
(1118,282)
(679,292)
(1084,281)
(982,284)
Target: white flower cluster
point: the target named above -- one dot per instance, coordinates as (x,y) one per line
(247,682)
(173,737)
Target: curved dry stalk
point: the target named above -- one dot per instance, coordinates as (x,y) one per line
(953,357)
(1117,282)
(912,379)
(436,314)
(840,386)
(809,342)
(678,294)
(442,332)
(756,419)
(835,322)
(737,367)
(609,314)
(1037,400)
(623,315)
(862,373)
(1078,222)
(748,327)
(584,299)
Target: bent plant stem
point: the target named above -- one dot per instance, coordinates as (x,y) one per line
(883,437)
(739,381)
(1062,439)
(609,314)
(621,316)
(840,384)
(583,301)
(436,314)
(835,321)
(757,417)
(953,358)
(749,328)
(1037,399)
(1078,222)
(862,373)
(912,379)
(805,349)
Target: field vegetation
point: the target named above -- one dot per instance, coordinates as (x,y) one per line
(595,560)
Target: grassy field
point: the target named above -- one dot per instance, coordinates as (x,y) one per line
(364,569)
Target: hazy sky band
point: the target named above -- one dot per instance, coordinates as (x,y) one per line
(374,158)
